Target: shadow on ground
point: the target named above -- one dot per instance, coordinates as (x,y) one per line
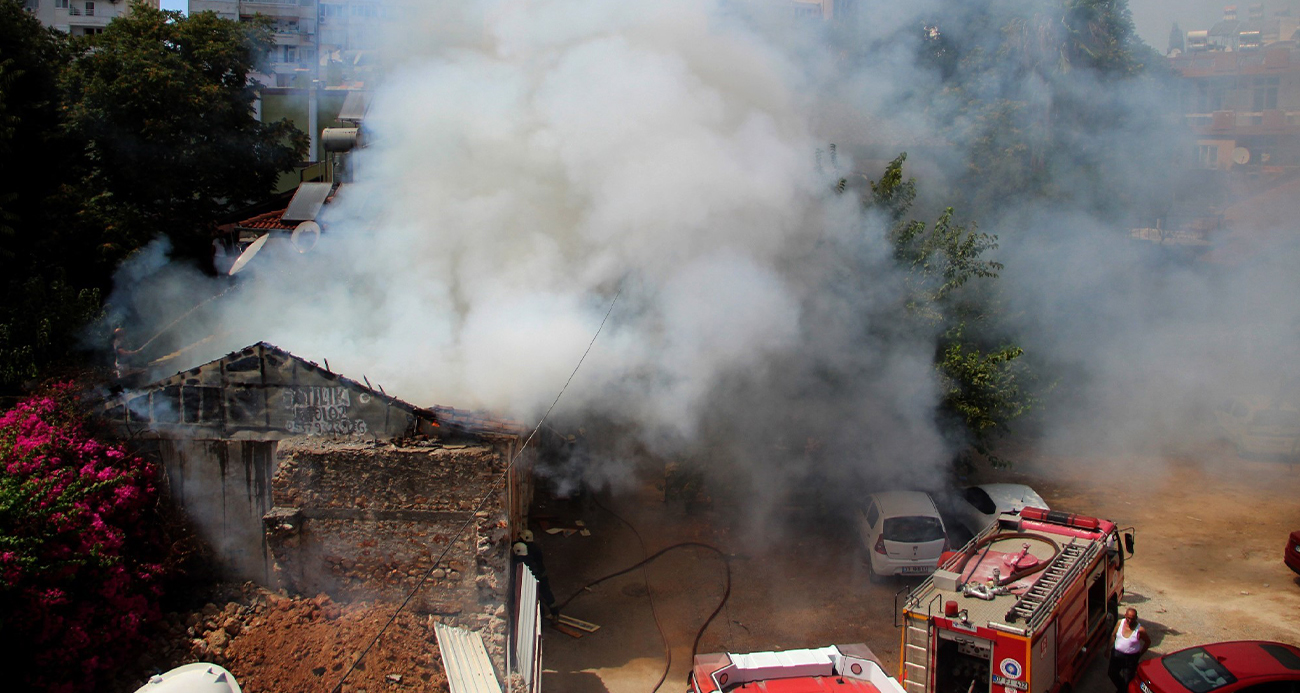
(573,682)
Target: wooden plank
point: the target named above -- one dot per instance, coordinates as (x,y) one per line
(571,632)
(579,624)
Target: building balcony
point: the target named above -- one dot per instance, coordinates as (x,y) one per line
(1238,123)
(293,38)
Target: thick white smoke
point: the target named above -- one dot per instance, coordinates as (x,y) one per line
(529,161)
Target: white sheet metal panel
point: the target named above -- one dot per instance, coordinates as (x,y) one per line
(469,670)
(528,630)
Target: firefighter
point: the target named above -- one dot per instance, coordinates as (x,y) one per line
(1131,642)
(530,554)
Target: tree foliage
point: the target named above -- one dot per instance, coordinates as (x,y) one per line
(983,383)
(1035,90)
(82,550)
(113,140)
(163,106)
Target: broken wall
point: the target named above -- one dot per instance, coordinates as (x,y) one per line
(366,521)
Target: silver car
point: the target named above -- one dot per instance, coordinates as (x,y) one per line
(976,507)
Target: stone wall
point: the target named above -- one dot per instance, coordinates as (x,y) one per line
(364,521)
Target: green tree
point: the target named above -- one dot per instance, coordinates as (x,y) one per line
(111,141)
(1037,91)
(984,385)
(163,105)
(42,310)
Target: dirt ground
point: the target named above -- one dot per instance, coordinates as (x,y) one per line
(277,644)
(1210,534)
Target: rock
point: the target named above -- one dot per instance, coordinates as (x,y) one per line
(394,678)
(217,640)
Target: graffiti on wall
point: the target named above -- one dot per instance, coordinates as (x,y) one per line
(323,411)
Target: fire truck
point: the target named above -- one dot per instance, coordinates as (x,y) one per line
(831,669)
(1022,608)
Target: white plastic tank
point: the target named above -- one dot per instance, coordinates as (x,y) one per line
(200,677)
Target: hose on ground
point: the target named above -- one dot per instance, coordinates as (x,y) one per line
(726,593)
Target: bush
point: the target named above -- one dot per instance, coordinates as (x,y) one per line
(81,553)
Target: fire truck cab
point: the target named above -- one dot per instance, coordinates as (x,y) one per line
(838,668)
(1022,608)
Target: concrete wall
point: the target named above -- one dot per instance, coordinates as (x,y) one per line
(225,489)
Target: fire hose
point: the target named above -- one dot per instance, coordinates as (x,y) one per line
(1014,575)
(695,646)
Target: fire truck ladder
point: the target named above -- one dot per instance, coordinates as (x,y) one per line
(1055,577)
(916,653)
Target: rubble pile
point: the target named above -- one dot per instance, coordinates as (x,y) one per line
(273,643)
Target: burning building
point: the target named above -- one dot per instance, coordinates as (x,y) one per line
(298,477)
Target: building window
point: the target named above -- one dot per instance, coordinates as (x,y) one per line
(90,9)
(1207,155)
(290,54)
(61,4)
(1265,93)
(31,5)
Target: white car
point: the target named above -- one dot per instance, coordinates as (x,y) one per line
(1259,426)
(976,507)
(902,533)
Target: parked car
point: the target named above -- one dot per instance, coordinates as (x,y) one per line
(1259,426)
(976,507)
(902,533)
(1292,555)
(1249,666)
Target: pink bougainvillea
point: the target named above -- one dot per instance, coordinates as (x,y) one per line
(81,555)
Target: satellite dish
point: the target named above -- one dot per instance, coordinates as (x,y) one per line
(247,256)
(1241,156)
(305,236)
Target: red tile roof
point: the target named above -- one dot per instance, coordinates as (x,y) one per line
(268,221)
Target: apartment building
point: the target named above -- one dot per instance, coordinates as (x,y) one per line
(1240,92)
(79,17)
(311,35)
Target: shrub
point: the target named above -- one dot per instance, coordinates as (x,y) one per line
(81,553)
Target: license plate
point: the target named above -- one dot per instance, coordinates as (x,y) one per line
(917,570)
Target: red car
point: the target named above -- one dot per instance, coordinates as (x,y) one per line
(1292,555)
(1248,666)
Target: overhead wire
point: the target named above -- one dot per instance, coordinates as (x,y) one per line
(492,490)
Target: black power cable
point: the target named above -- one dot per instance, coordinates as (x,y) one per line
(726,563)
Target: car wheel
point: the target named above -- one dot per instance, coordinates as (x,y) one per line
(876,578)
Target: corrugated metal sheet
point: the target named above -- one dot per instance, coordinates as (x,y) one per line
(528,630)
(469,670)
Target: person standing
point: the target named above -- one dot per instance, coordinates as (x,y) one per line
(1131,642)
(529,553)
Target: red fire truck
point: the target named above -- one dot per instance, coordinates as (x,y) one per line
(1022,608)
(835,668)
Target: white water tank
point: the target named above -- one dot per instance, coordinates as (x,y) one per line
(199,677)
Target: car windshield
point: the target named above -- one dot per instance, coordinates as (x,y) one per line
(1277,418)
(1197,670)
(1284,655)
(913,529)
